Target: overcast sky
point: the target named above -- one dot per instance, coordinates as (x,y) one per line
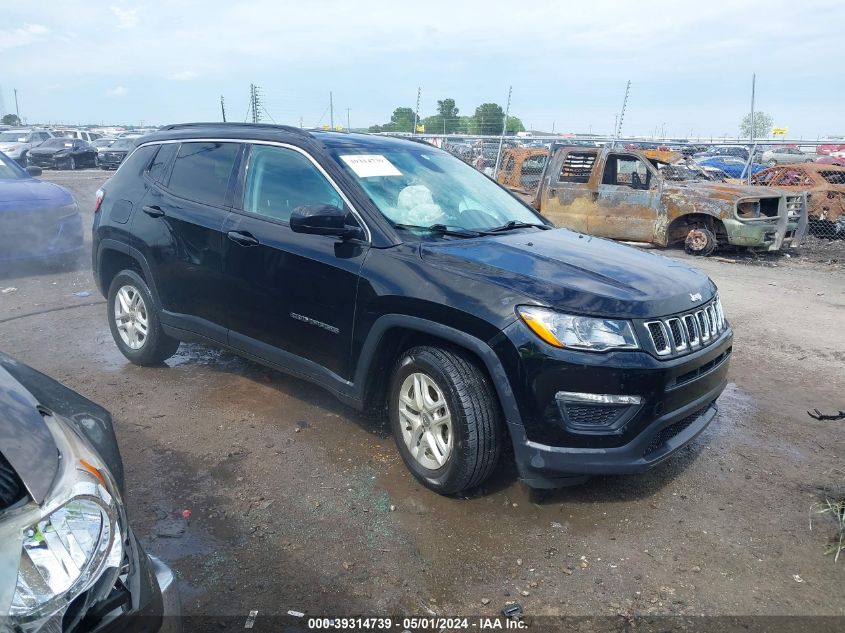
(690,64)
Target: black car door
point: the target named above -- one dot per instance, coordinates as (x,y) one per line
(293,295)
(179,230)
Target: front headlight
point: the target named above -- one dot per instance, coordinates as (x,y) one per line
(578,332)
(70,544)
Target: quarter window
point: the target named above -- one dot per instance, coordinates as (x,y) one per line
(161,161)
(202,171)
(279,180)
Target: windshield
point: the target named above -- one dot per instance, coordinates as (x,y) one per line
(421,186)
(13,137)
(123,144)
(58,142)
(681,172)
(9,170)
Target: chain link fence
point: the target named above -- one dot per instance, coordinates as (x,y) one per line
(814,168)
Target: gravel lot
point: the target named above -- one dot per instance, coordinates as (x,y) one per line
(297,502)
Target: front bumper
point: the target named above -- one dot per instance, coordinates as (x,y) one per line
(40,236)
(769,234)
(678,398)
(171,608)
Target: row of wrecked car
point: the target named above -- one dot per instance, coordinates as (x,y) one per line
(666,199)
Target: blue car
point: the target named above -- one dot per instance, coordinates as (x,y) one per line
(730,165)
(39,221)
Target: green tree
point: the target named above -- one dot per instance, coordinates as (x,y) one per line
(447,116)
(488,119)
(11,119)
(403,119)
(762,125)
(515,125)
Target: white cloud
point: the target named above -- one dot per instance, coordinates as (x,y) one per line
(126,18)
(184,75)
(21,36)
(117,91)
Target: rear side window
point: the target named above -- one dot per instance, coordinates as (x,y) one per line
(280,180)
(161,161)
(133,167)
(202,171)
(577,167)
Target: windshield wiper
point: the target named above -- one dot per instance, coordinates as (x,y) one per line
(440,229)
(516,224)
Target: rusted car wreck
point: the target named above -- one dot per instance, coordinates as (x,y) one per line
(824,185)
(522,167)
(634,196)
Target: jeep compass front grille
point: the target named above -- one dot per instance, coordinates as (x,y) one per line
(688,332)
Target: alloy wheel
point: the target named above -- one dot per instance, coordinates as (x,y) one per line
(425,421)
(130,315)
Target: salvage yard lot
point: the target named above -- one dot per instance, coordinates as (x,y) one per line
(297,502)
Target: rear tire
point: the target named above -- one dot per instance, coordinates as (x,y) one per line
(134,322)
(700,241)
(445,419)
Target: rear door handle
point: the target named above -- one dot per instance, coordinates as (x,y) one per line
(153,211)
(244,239)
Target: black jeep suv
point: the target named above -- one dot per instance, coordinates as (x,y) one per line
(401,279)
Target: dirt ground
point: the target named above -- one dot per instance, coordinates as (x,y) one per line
(297,502)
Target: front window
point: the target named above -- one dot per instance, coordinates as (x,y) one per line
(279,180)
(13,137)
(419,186)
(9,170)
(626,171)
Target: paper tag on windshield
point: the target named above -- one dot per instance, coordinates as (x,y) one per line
(370,165)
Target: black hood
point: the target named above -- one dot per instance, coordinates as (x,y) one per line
(578,273)
(48,151)
(25,440)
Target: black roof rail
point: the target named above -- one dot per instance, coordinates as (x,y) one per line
(221,124)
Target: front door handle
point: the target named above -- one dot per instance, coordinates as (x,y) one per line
(153,211)
(244,239)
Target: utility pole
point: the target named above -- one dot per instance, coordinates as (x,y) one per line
(255,103)
(502,138)
(223,108)
(417,111)
(347,120)
(622,114)
(17,110)
(331,110)
(753,86)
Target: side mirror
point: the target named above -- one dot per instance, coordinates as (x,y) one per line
(33,170)
(322,219)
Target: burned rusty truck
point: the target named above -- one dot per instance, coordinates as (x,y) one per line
(632,196)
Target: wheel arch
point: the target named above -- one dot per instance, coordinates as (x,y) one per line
(392,334)
(114,256)
(678,228)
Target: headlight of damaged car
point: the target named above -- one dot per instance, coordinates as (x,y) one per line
(72,543)
(578,332)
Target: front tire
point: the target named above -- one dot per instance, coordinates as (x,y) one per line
(445,419)
(134,322)
(700,241)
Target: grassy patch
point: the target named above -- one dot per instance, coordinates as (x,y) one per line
(832,506)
